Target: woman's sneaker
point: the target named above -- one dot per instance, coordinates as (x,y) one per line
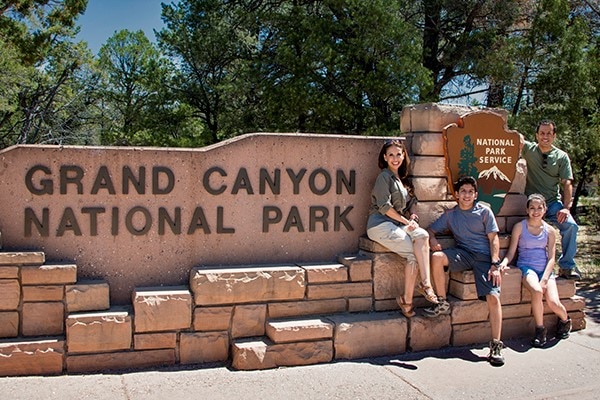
(540,337)
(495,357)
(563,328)
(441,308)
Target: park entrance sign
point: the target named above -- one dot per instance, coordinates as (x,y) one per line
(479,145)
(146,216)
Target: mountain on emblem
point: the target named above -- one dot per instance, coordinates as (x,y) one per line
(493,173)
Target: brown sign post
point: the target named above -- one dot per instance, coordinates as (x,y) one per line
(481,146)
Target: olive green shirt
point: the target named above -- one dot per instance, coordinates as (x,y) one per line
(546,171)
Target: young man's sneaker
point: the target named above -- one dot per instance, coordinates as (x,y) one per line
(540,337)
(495,357)
(441,308)
(563,328)
(572,273)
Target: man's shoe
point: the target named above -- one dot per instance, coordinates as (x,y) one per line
(572,273)
(563,328)
(495,357)
(540,337)
(441,308)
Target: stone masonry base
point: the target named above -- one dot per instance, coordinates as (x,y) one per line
(252,317)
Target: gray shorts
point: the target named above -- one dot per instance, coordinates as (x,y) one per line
(460,259)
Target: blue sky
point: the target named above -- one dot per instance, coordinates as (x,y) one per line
(103,18)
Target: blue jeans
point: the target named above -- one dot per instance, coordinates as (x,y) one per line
(568,232)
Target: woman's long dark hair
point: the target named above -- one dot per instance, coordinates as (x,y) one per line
(403,170)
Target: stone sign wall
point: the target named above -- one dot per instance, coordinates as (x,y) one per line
(146,216)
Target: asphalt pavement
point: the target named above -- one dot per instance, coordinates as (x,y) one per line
(565,369)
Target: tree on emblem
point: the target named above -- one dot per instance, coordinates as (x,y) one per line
(466,164)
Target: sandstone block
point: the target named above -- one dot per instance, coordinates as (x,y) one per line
(248,320)
(303,308)
(575,303)
(246,285)
(464,312)
(153,341)
(566,290)
(99,331)
(299,330)
(517,327)
(424,166)
(388,275)
(430,333)
(9,272)
(428,144)
(22,258)
(363,304)
(431,189)
(43,293)
(119,361)
(510,292)
(431,117)
(196,348)
(514,205)
(87,296)
(10,294)
(9,324)
(518,183)
(370,246)
(325,273)
(212,318)
(462,276)
(466,334)
(162,309)
(41,319)
(262,354)
(49,275)
(361,335)
(359,268)
(578,320)
(42,357)
(516,310)
(338,290)
(505,224)
(463,291)
(429,211)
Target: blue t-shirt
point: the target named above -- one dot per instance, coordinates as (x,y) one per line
(469,227)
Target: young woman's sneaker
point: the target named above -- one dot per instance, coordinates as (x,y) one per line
(540,337)
(563,328)
(441,308)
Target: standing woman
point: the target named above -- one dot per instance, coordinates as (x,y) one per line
(392,224)
(535,242)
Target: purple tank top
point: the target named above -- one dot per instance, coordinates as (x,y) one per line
(532,249)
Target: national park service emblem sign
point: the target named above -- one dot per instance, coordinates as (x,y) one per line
(479,145)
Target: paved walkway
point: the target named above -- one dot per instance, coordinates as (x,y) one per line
(563,370)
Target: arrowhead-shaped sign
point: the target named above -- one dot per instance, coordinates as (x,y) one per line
(481,146)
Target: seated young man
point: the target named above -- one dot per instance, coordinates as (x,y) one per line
(475,232)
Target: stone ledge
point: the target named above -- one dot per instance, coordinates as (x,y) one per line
(261,353)
(299,330)
(58,274)
(369,335)
(162,309)
(236,285)
(22,258)
(120,361)
(32,357)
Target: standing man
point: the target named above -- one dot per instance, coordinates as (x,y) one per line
(549,168)
(475,232)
